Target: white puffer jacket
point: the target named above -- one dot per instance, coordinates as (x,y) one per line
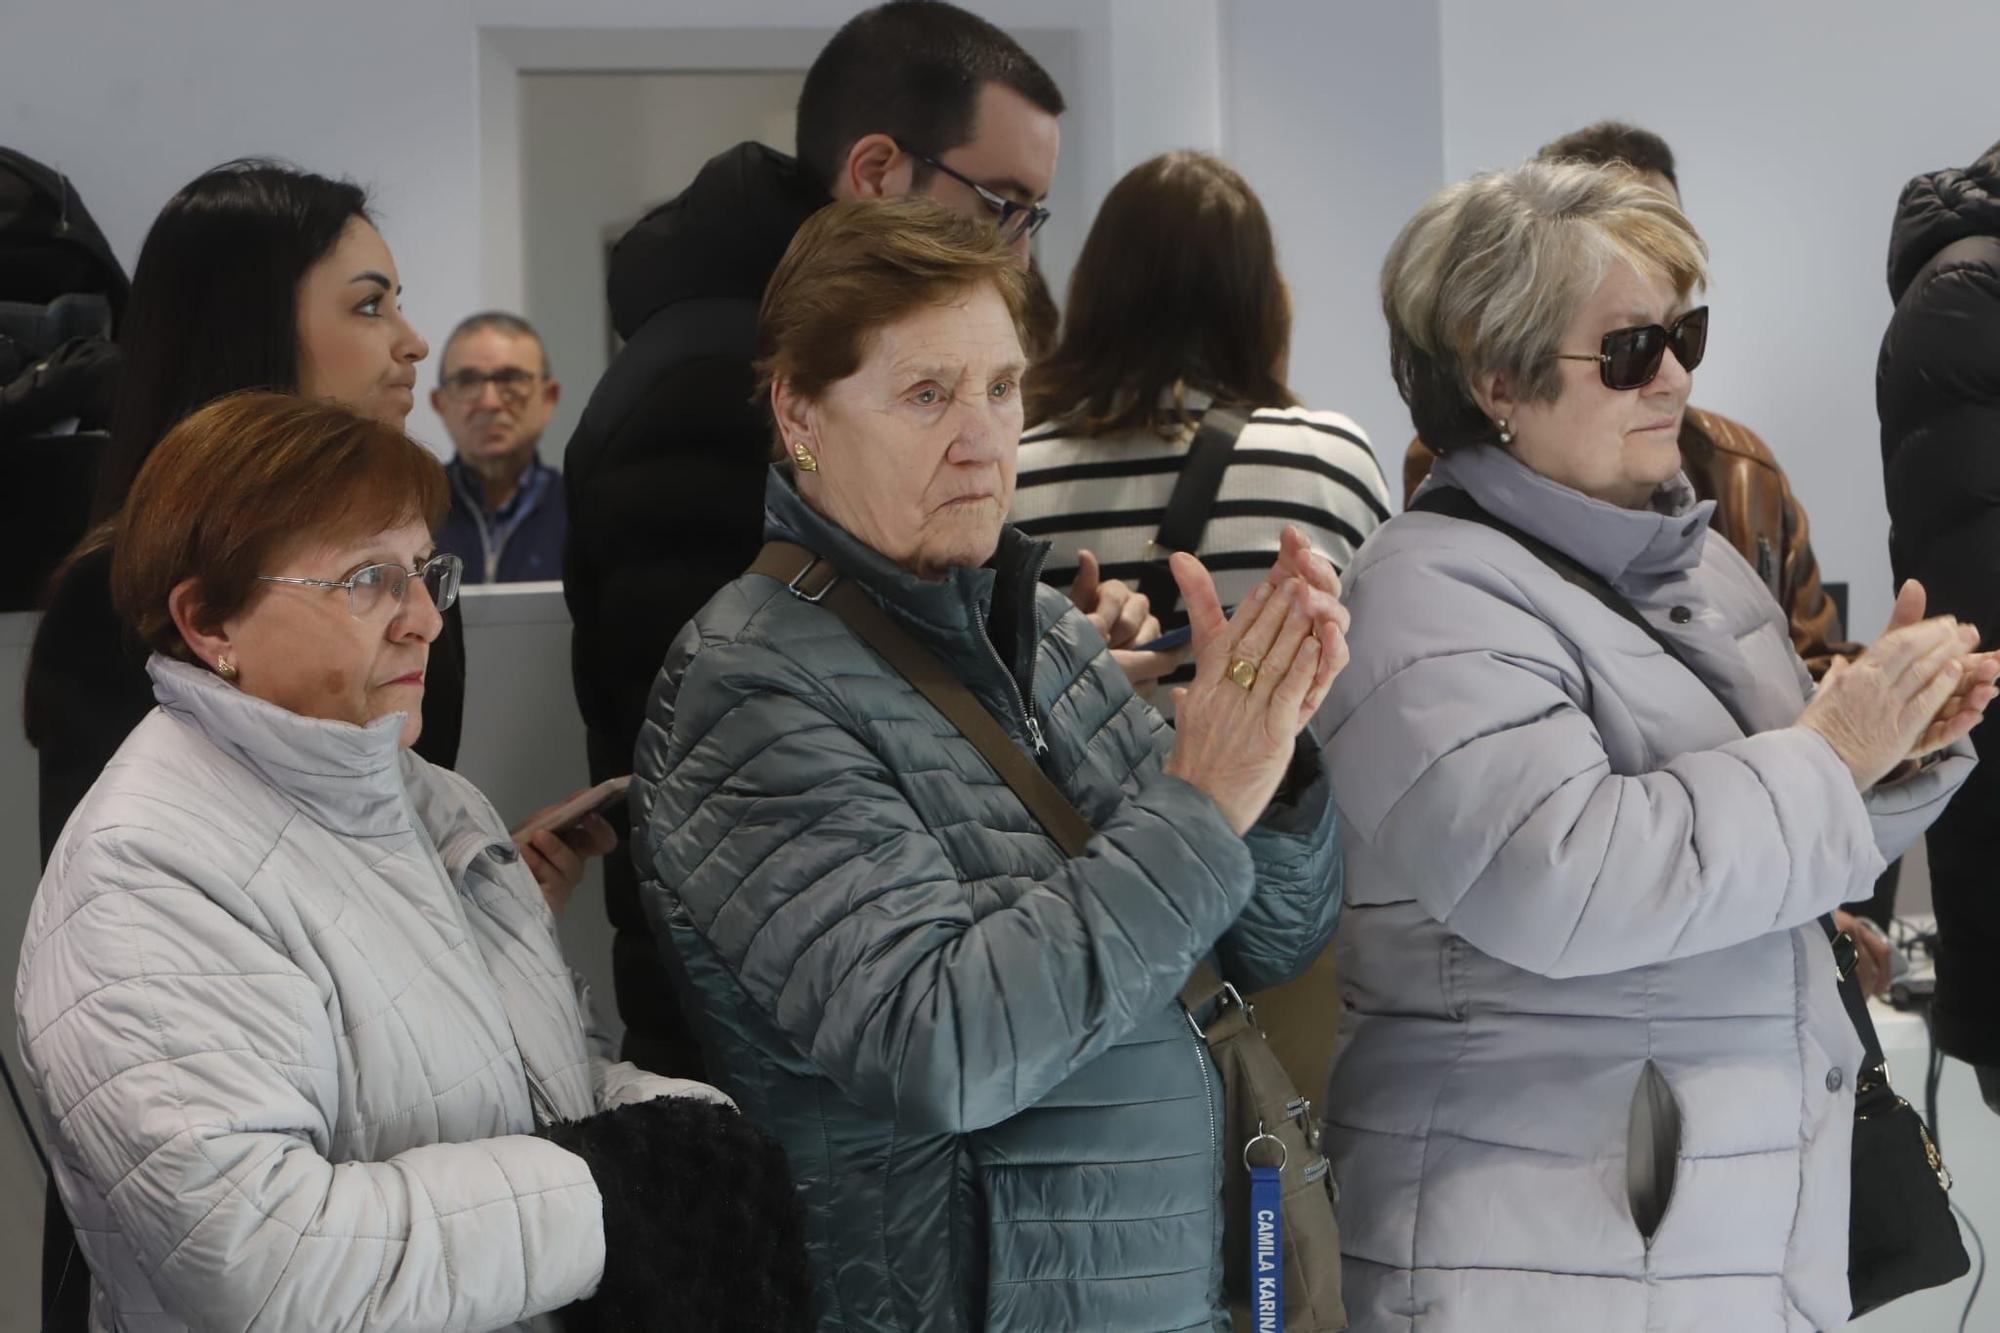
(276,995)
(1581,921)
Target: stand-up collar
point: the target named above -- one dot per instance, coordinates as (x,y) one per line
(1665,538)
(345,777)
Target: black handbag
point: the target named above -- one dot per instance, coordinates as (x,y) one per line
(1901,1236)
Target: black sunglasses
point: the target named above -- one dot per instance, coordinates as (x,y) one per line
(1015,220)
(1631,357)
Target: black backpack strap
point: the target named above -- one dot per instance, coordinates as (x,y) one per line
(1192,501)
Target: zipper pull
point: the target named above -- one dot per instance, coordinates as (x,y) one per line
(1035,736)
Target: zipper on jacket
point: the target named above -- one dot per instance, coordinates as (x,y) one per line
(1202,1057)
(1034,728)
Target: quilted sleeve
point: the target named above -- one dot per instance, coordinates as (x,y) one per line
(1301,880)
(793,850)
(1462,761)
(188,1070)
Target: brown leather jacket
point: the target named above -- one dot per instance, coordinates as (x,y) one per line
(1755,511)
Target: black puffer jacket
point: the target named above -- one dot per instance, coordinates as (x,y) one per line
(1937,389)
(666,478)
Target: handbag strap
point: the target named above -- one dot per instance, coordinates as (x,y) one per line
(1193,499)
(1455,503)
(812,579)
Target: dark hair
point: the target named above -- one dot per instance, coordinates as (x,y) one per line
(1610,141)
(501,322)
(214,301)
(865,263)
(1178,286)
(245,481)
(912,69)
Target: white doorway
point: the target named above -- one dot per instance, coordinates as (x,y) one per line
(598,151)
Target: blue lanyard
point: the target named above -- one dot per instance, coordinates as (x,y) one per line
(1267,1243)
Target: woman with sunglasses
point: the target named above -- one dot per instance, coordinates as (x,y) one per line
(305,1047)
(1596,1072)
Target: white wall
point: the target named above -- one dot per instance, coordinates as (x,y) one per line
(1794,127)
(1331,112)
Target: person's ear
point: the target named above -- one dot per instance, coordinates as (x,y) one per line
(437,401)
(208,643)
(551,393)
(1494,392)
(796,425)
(875,169)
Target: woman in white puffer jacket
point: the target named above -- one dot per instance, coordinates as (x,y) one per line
(305,1046)
(1596,1073)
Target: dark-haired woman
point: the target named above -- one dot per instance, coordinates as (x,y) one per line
(1176,303)
(253,276)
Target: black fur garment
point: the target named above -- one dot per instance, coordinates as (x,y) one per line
(702,1228)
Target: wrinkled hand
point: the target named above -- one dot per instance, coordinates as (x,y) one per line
(1918,688)
(557,858)
(1234,743)
(1124,617)
(1298,559)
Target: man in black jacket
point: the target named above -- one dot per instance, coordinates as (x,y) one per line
(1937,391)
(666,469)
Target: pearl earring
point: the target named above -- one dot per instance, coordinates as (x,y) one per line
(802,457)
(1506,434)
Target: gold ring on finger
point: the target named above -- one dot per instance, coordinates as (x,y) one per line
(1243,671)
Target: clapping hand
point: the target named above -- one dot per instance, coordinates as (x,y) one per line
(1260,675)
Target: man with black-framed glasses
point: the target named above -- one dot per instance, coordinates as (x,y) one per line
(495,394)
(666,471)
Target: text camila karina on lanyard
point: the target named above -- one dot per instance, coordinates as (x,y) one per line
(1267,1267)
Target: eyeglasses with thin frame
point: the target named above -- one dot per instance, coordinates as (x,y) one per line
(515,384)
(368,586)
(1016,221)
(1631,358)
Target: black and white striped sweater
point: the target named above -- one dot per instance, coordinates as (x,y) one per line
(1108,494)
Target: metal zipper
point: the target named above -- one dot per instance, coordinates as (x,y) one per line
(1208,1094)
(1034,728)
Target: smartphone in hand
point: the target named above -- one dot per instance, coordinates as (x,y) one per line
(562,818)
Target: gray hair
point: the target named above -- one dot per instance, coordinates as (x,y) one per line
(500,322)
(1488,274)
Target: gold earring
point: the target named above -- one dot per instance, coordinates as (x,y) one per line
(1506,434)
(225,668)
(802,457)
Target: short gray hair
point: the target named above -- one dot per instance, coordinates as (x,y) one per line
(1488,274)
(500,322)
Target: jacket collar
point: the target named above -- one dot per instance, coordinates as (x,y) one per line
(1611,541)
(344,777)
(948,612)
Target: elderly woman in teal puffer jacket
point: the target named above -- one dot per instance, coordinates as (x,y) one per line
(971,1046)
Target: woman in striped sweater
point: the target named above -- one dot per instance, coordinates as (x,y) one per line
(1176,304)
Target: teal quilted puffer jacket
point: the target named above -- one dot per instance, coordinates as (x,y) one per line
(971,1046)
